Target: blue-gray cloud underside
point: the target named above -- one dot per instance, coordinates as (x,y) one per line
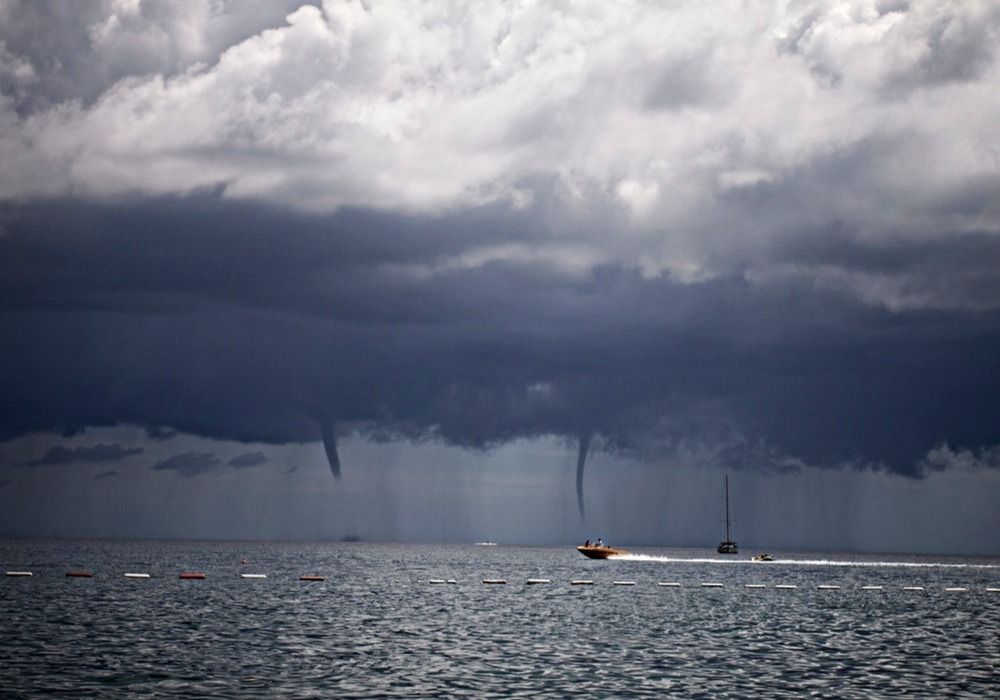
(60,455)
(189,464)
(248,323)
(250,459)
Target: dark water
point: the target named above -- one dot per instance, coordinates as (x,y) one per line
(377,628)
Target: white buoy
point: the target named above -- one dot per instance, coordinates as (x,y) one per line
(253,575)
(826,587)
(581,582)
(669,584)
(755,585)
(711,585)
(536,581)
(495,581)
(136,575)
(19,573)
(872,588)
(913,588)
(956,589)
(624,583)
(452,581)
(991,589)
(436,581)
(786,586)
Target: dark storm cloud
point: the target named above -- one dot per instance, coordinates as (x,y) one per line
(666,244)
(189,464)
(249,459)
(251,324)
(958,270)
(60,455)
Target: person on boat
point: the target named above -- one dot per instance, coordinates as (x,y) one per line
(587,543)
(600,542)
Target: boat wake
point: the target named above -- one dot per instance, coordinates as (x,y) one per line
(805,562)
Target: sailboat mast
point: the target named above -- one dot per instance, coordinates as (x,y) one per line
(728,538)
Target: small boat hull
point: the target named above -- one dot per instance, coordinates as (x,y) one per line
(594,552)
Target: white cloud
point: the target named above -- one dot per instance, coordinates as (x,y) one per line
(736,179)
(944,457)
(651,112)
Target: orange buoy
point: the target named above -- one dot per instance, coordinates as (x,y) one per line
(192,575)
(78,574)
(312,577)
(243,561)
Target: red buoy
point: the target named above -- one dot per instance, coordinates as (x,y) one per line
(192,575)
(312,577)
(78,574)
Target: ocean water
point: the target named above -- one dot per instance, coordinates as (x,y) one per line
(377,627)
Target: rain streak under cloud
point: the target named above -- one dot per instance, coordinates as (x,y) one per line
(762,239)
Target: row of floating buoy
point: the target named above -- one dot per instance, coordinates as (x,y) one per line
(198,575)
(184,575)
(714,584)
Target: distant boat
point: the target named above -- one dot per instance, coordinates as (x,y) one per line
(762,557)
(727,546)
(486,544)
(594,551)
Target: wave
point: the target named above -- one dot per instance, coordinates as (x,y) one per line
(804,562)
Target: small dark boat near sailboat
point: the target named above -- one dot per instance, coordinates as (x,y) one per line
(727,546)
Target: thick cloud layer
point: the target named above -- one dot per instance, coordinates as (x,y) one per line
(258,326)
(761,238)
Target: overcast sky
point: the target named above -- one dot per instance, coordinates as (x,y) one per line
(524,272)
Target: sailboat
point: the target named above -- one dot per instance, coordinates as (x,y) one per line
(727,546)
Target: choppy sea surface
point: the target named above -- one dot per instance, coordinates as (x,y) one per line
(377,627)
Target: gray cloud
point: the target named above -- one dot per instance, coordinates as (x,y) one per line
(959,49)
(189,464)
(106,475)
(159,432)
(60,455)
(685,82)
(79,50)
(249,459)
